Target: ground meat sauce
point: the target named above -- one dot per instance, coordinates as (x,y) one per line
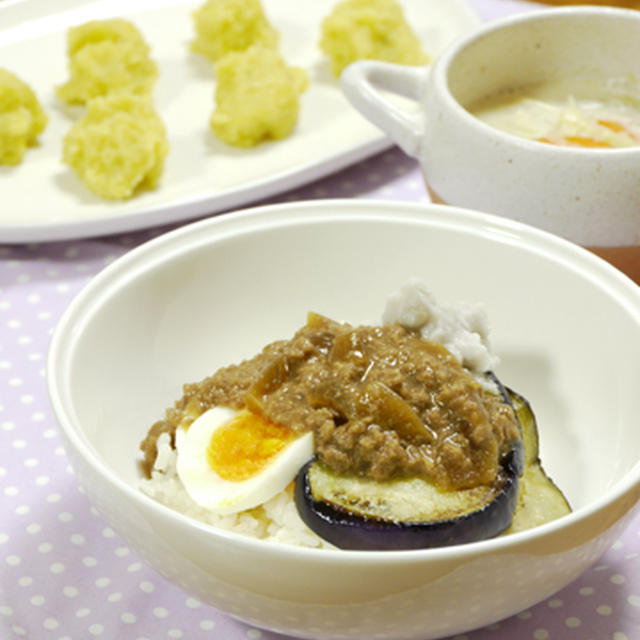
(382,402)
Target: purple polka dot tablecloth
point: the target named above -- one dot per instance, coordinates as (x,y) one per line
(66,575)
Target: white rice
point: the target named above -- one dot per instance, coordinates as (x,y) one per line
(462,328)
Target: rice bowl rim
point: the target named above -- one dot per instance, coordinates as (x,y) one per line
(179,242)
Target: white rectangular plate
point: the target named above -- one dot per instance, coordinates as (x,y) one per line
(43,200)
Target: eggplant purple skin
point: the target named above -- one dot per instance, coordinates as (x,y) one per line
(346,530)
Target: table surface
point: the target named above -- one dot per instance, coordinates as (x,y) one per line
(65,575)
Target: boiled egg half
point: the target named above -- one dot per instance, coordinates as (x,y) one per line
(229,460)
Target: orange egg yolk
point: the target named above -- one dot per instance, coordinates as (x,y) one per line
(244,446)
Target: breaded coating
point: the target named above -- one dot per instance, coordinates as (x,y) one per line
(257,97)
(369,30)
(225,26)
(107,56)
(22,118)
(118,147)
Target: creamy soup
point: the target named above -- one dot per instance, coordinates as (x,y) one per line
(566,115)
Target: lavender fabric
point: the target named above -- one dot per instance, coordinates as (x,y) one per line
(65,575)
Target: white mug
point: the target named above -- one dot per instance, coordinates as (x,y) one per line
(589,196)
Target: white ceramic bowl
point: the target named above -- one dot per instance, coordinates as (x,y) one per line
(565,324)
(590,196)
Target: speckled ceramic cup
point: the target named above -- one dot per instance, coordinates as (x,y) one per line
(589,196)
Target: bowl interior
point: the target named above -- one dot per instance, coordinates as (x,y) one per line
(593,50)
(565,324)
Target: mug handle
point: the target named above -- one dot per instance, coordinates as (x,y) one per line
(361,82)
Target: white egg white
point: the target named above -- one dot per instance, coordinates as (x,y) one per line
(222,496)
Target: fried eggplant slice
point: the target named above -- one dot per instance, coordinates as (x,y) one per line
(358,513)
(539,499)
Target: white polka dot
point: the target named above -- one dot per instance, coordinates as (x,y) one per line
(96,629)
(524,615)
(89,561)
(160,612)
(122,551)
(254,633)
(128,618)
(70,592)
(13,560)
(50,623)
(33,298)
(207,625)
(53,497)
(31,462)
(32,528)
(38,416)
(19,444)
(4,537)
(11,491)
(618,635)
(115,597)
(6,610)
(540,634)
(42,481)
(604,610)
(573,622)
(25,581)
(37,600)
(22,510)
(5,364)
(14,324)
(103,582)
(27,399)
(57,567)
(108,533)
(192,603)
(618,579)
(19,631)
(634,600)
(16,382)
(136,566)
(175,633)
(63,287)
(83,613)
(147,587)
(65,516)
(45,547)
